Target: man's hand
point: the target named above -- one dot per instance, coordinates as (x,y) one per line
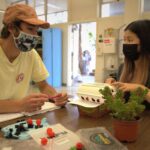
(33,102)
(59,99)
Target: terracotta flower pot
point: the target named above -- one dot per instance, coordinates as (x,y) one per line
(126,131)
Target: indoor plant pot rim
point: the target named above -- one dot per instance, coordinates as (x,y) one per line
(136,120)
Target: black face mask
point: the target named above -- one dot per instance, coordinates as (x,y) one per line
(131,51)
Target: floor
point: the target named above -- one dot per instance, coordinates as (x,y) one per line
(72,90)
(83,79)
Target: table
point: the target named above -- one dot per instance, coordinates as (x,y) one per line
(71,119)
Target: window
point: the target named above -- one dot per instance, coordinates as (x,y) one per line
(18,2)
(54,10)
(112,7)
(42,17)
(146,5)
(59,17)
(39,10)
(57,11)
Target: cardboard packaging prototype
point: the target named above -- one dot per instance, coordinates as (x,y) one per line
(89,93)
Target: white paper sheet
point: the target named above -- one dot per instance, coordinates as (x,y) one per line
(9,116)
(6,148)
(64,139)
(45,108)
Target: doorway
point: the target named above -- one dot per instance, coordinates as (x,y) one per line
(83,52)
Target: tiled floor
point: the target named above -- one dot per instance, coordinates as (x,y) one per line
(83,79)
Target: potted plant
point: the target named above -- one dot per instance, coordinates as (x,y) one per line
(126,115)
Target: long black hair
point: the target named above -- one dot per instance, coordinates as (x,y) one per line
(142,29)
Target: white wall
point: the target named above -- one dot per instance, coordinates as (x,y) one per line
(103,23)
(146,15)
(132,10)
(3,5)
(80,10)
(1,16)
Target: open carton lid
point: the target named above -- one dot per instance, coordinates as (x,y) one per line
(88,95)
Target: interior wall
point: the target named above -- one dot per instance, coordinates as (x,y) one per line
(132,10)
(3,6)
(146,15)
(103,23)
(80,10)
(1,16)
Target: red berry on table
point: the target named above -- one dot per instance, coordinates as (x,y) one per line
(29,121)
(44,141)
(50,132)
(38,122)
(79,146)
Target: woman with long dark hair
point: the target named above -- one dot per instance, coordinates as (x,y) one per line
(135,72)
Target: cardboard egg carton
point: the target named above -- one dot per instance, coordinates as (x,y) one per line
(90,92)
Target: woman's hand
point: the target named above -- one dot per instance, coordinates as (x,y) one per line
(127,86)
(110,80)
(33,102)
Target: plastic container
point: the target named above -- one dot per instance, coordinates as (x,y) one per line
(99,138)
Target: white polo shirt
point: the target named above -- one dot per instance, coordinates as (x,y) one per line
(15,77)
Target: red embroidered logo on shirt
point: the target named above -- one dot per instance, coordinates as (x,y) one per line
(20,77)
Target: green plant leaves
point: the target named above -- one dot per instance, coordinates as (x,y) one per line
(124,110)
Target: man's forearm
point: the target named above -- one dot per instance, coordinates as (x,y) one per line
(46,88)
(8,106)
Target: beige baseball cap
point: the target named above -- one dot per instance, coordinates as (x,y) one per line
(24,13)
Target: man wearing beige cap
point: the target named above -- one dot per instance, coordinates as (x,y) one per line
(20,64)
